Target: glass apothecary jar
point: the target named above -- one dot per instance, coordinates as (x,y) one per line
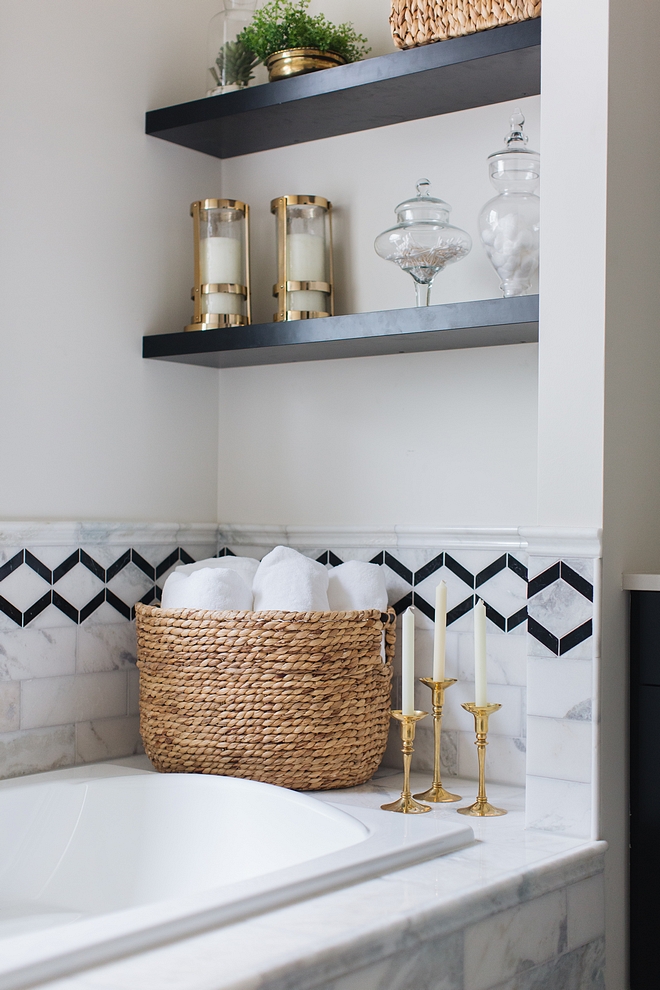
(230,64)
(423,242)
(509,223)
(304,287)
(221,294)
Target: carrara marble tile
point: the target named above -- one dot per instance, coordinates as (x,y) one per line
(36,749)
(58,700)
(560,748)
(10,702)
(105,646)
(560,806)
(105,738)
(586,911)
(560,688)
(27,653)
(499,947)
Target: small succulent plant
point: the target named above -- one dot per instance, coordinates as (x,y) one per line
(234,65)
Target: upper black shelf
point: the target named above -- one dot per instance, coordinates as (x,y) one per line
(480,323)
(489,67)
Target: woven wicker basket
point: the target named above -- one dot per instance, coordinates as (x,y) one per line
(419,22)
(299,699)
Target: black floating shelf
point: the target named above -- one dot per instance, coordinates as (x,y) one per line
(484,323)
(489,67)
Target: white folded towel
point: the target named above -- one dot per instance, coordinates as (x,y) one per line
(288,581)
(357,585)
(214,588)
(245,566)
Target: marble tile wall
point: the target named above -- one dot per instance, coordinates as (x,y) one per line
(68,680)
(552,942)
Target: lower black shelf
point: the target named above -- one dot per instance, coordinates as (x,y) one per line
(482,323)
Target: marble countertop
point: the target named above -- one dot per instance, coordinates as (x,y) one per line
(316,940)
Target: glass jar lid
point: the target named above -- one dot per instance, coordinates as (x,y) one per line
(423,207)
(515,165)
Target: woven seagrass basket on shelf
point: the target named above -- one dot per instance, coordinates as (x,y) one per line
(299,699)
(419,22)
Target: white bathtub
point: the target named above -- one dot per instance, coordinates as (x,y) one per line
(103,861)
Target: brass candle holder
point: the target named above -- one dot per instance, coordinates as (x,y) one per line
(406,804)
(481,807)
(436,793)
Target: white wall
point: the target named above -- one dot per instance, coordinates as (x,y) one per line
(95,251)
(430,439)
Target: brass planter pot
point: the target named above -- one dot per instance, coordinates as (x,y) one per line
(297,61)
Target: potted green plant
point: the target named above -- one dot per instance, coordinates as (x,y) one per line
(289,41)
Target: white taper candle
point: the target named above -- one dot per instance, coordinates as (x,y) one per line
(408,663)
(440,631)
(480,694)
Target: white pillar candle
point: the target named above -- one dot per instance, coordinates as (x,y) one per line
(221,260)
(308,300)
(408,663)
(440,631)
(480,694)
(223,302)
(305,258)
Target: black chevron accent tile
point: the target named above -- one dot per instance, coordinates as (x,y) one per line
(333,559)
(490,571)
(226,552)
(144,565)
(458,610)
(92,606)
(147,599)
(403,603)
(495,617)
(514,564)
(575,637)
(459,570)
(541,581)
(379,558)
(117,604)
(38,608)
(185,558)
(36,565)
(92,566)
(514,620)
(169,561)
(64,606)
(11,611)
(430,568)
(323,559)
(66,566)
(398,568)
(541,634)
(576,581)
(12,564)
(158,594)
(119,565)
(423,606)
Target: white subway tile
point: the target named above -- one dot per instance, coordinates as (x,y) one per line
(105,646)
(506,658)
(562,806)
(58,700)
(560,748)
(586,910)
(9,706)
(36,749)
(505,758)
(560,688)
(103,739)
(515,940)
(27,653)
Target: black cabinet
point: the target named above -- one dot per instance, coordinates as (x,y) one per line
(644,788)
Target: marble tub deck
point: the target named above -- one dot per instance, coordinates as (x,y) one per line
(516,910)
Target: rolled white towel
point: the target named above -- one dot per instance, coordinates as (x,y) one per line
(356,585)
(213,588)
(288,581)
(245,566)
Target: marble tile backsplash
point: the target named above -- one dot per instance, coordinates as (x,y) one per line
(69,684)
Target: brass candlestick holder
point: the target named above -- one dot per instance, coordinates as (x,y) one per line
(436,793)
(481,807)
(406,804)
